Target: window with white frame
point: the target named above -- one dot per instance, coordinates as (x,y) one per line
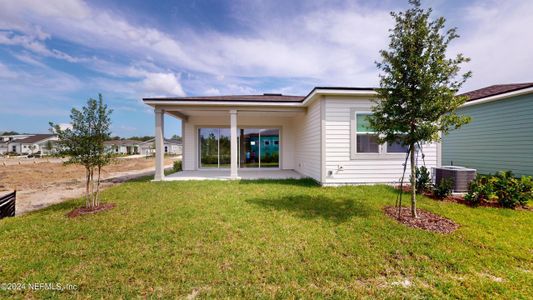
(366,137)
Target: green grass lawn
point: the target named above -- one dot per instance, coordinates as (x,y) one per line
(265,239)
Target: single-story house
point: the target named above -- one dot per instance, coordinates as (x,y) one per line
(3,148)
(170,147)
(127,147)
(500,135)
(33,144)
(323,135)
(7,138)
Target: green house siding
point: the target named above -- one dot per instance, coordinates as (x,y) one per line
(500,137)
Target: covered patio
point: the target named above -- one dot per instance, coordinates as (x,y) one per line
(236,138)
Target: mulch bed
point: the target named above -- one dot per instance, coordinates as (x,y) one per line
(85,211)
(426,220)
(452,198)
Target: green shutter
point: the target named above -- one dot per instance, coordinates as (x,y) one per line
(362,123)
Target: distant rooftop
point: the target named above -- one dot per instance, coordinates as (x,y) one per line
(169,141)
(122,142)
(497,89)
(35,138)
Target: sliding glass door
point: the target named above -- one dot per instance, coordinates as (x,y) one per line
(269,149)
(215,147)
(208,142)
(224,148)
(258,148)
(249,148)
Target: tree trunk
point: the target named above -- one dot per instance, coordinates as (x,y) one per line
(87,188)
(413,182)
(92,188)
(98,186)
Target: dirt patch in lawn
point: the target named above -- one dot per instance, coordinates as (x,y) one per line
(85,210)
(426,220)
(44,182)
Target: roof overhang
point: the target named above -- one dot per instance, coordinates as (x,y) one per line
(154,103)
(312,96)
(499,97)
(333,91)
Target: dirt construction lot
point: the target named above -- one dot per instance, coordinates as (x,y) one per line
(43,182)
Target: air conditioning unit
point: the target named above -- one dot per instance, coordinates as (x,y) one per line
(461,177)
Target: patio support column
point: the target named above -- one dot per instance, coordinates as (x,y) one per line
(234,146)
(159,144)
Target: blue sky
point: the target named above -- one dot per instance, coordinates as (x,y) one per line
(54,54)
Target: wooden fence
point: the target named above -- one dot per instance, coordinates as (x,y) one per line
(7,205)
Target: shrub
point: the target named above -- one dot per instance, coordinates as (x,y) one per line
(443,188)
(176,167)
(423,179)
(481,188)
(512,191)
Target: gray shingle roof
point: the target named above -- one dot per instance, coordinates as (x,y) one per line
(34,139)
(497,89)
(267,97)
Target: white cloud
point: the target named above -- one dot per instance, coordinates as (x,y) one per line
(162,84)
(126,128)
(497,36)
(6,73)
(65,126)
(321,43)
(212,92)
(29,59)
(75,21)
(34,43)
(327,44)
(35,91)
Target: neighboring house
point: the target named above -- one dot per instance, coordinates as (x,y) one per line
(12,137)
(128,147)
(171,147)
(43,144)
(6,139)
(323,135)
(3,148)
(500,136)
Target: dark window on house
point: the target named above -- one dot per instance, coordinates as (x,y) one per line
(367,139)
(397,147)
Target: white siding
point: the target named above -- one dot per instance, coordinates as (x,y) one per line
(307,156)
(337,148)
(190,136)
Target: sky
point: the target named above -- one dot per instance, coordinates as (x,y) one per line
(56,54)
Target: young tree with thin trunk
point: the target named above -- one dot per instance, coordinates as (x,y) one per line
(418,84)
(48,147)
(84,144)
(32,149)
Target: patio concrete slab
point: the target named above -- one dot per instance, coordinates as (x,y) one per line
(225,175)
